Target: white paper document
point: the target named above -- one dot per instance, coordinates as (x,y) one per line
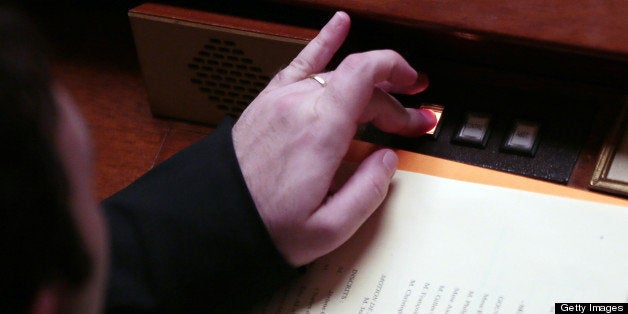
(444,246)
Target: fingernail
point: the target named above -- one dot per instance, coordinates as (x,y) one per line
(335,20)
(390,161)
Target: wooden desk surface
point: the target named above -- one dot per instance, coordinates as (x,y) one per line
(597,27)
(127,140)
(99,68)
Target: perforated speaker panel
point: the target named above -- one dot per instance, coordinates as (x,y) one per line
(200,71)
(229,77)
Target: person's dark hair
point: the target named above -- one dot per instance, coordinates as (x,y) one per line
(39,242)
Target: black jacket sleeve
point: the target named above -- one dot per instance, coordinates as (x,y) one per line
(186,237)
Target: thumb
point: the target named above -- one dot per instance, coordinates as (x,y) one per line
(358,198)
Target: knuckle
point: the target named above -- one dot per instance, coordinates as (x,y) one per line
(365,62)
(286,103)
(328,230)
(282,75)
(302,65)
(390,53)
(354,62)
(380,190)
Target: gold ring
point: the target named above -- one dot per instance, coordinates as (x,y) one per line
(319,79)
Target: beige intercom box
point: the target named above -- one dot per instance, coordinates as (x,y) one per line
(199,66)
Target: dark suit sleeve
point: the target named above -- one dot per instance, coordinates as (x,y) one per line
(186,237)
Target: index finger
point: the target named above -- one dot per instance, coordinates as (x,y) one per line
(318,52)
(350,87)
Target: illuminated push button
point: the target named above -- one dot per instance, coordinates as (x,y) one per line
(523,138)
(438,112)
(474,131)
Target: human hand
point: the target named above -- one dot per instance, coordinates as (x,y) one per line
(292,138)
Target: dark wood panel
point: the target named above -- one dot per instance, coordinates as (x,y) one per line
(126,138)
(598,27)
(187,15)
(102,74)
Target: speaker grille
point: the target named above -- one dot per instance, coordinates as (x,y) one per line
(230,79)
(200,66)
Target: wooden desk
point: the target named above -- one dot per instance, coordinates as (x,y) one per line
(581,44)
(127,140)
(98,65)
(101,70)
(596,27)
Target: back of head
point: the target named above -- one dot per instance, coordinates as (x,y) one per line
(39,238)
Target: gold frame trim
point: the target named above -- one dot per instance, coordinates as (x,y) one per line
(599,180)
